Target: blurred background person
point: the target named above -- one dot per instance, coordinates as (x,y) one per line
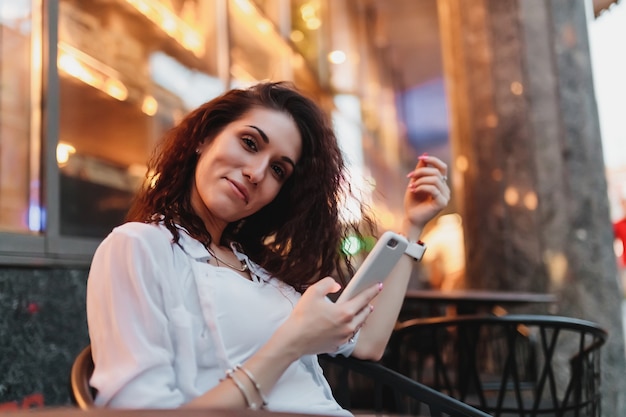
(619,229)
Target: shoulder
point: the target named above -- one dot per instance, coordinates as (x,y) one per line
(149,232)
(151,237)
(143,230)
(134,252)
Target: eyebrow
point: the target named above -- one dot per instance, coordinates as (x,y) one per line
(267,140)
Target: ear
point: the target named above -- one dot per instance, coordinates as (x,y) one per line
(201,146)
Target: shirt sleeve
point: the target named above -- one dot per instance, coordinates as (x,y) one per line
(347,348)
(128,325)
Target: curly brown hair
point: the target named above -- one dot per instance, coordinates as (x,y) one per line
(297,236)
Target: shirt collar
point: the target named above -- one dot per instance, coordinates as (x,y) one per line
(196,250)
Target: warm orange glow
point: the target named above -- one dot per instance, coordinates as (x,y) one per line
(461,163)
(557,265)
(296,36)
(149,105)
(313,24)
(531,201)
(337,57)
(297,61)
(242,76)
(491,120)
(511,196)
(153,179)
(73,67)
(116,89)
(308,11)
(517,88)
(64,151)
(171,24)
(245,6)
(137,170)
(87,69)
(264,26)
(249,17)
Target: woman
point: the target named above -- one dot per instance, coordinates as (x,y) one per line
(214,294)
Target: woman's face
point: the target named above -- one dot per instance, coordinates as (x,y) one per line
(244,167)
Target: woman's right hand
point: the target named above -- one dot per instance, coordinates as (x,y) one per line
(318,325)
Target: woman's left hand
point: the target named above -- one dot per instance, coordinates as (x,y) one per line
(427,192)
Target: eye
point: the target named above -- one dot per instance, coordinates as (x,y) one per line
(279,171)
(249,142)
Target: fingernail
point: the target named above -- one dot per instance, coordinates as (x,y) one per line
(371,308)
(409,175)
(380,286)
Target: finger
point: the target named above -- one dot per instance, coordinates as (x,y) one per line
(360,318)
(362,300)
(325,286)
(438,167)
(436,188)
(433,161)
(430,174)
(422,160)
(431,185)
(421,163)
(438,193)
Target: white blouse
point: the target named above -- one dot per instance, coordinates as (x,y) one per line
(165,325)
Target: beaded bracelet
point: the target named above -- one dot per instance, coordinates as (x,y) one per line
(254,382)
(246,395)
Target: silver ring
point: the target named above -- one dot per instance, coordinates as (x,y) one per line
(445,178)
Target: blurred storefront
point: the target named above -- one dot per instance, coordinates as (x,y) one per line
(76,135)
(89,87)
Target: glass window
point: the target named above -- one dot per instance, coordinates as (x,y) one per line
(258,51)
(129,69)
(272,9)
(307,31)
(20,92)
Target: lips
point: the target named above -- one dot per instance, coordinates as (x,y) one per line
(239,189)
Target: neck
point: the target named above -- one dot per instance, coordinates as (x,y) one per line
(224,257)
(213,224)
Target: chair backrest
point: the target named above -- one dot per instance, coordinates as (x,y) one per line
(365,386)
(81,393)
(505,365)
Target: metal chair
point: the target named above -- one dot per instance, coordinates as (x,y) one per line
(81,393)
(365,386)
(512,365)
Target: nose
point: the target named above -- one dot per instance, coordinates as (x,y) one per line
(255,171)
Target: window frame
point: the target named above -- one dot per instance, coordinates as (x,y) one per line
(49,247)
